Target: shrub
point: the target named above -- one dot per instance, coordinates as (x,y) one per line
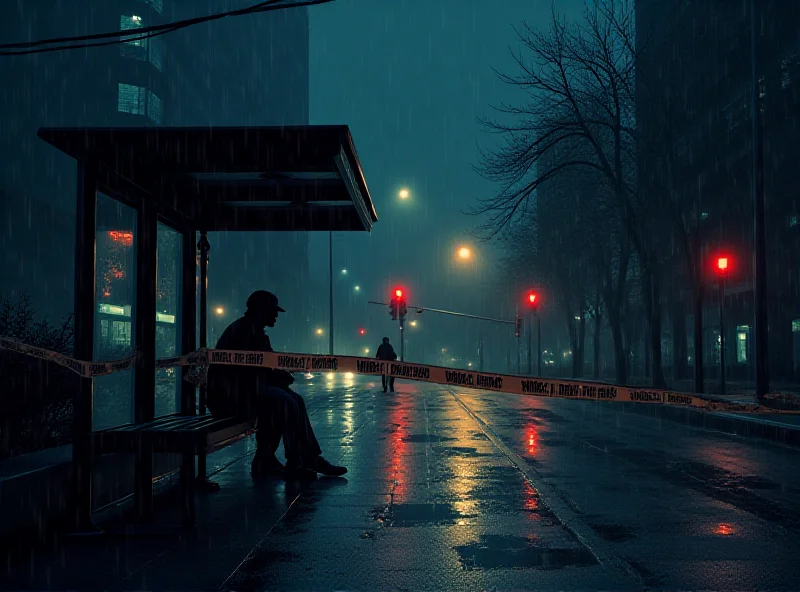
(35,395)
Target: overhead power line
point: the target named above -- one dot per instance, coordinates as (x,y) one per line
(125,36)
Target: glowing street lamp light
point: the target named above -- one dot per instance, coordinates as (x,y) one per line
(464,253)
(357,288)
(413,323)
(404,193)
(319,331)
(220,311)
(344,271)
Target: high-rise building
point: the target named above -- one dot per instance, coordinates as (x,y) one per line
(694,99)
(248,70)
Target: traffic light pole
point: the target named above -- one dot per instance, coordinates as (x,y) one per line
(539,341)
(530,344)
(721,337)
(402,341)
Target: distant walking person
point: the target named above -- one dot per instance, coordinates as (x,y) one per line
(386,352)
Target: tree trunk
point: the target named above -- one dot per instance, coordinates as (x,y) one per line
(651,291)
(596,345)
(577,353)
(620,352)
(699,378)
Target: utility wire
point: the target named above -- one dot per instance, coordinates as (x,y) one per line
(125,36)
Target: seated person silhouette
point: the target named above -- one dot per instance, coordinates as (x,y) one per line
(250,392)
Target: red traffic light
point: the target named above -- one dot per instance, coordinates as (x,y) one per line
(398,293)
(362,331)
(722,264)
(532,298)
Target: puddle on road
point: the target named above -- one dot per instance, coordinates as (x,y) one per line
(614,533)
(426,438)
(411,515)
(509,552)
(462,451)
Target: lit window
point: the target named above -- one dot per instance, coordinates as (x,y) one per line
(153,107)
(742,333)
(796,326)
(131,23)
(156,54)
(137,100)
(704,215)
(130,99)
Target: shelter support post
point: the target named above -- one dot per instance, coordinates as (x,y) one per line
(204,247)
(82,402)
(188,345)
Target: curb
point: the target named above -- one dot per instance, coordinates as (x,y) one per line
(747,426)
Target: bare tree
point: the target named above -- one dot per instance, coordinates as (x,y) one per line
(579,79)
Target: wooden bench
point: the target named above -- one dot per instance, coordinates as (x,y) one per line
(189,436)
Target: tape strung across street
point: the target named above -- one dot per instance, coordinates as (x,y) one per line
(518,385)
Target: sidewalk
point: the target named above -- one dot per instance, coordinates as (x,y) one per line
(783,428)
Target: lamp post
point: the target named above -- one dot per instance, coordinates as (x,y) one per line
(722,271)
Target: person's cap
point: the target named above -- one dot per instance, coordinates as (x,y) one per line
(261,299)
(385,339)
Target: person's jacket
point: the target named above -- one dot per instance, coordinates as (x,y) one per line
(386,352)
(231,387)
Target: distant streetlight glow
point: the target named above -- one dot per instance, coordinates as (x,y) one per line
(319,331)
(404,193)
(357,288)
(366,350)
(219,310)
(413,323)
(344,272)
(464,253)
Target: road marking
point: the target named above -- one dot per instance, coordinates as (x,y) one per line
(550,497)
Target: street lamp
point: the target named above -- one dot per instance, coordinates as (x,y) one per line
(464,253)
(319,331)
(722,269)
(404,193)
(357,288)
(219,311)
(413,323)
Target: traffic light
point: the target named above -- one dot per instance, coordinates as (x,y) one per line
(362,331)
(393,309)
(403,309)
(518,327)
(532,299)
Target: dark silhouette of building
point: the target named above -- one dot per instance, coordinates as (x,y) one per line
(693,115)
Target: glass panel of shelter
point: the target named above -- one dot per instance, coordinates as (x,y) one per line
(115,305)
(168,317)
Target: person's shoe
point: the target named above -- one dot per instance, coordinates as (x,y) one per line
(266,466)
(327,469)
(299,472)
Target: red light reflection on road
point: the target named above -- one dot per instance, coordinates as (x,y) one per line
(530,497)
(531,440)
(396,448)
(724,529)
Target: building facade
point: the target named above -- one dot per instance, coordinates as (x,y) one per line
(694,118)
(248,70)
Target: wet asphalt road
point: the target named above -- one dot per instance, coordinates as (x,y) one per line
(461,490)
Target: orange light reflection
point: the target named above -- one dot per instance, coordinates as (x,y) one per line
(724,529)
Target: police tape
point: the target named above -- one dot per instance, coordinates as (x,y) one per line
(200,360)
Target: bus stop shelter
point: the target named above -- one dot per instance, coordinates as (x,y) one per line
(194,180)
